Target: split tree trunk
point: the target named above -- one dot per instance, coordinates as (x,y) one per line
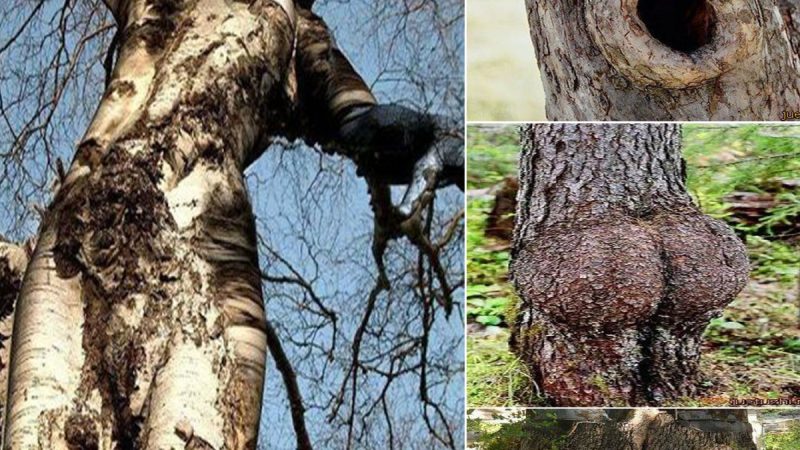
(668,60)
(618,271)
(140,322)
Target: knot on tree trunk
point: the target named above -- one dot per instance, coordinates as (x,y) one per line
(676,44)
(613,308)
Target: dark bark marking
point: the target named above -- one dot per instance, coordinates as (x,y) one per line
(155,32)
(89,153)
(109,222)
(122,88)
(80,433)
(10,284)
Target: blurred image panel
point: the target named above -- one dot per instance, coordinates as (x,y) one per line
(624,429)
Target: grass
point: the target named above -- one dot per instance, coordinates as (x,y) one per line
(788,440)
(496,376)
(751,351)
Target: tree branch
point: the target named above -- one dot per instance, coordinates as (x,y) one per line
(390,143)
(284,366)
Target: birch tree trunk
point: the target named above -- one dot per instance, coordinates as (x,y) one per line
(13,262)
(618,271)
(140,322)
(677,60)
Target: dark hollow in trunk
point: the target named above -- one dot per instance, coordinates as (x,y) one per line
(618,271)
(665,60)
(684,25)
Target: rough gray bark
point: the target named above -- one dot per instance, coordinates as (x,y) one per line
(677,60)
(140,322)
(618,271)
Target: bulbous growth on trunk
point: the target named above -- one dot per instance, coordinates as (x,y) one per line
(618,271)
(667,60)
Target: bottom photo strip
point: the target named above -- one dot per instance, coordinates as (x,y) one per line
(628,429)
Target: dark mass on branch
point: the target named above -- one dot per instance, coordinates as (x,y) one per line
(389,143)
(392,139)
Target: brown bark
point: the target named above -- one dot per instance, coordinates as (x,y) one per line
(678,60)
(618,271)
(667,430)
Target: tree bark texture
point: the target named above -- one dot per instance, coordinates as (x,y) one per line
(676,60)
(618,271)
(140,322)
(13,262)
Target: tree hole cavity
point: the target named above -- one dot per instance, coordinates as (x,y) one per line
(683,25)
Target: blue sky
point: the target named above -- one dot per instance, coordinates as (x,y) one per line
(351,232)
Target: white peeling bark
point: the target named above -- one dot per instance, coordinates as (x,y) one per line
(47,335)
(140,323)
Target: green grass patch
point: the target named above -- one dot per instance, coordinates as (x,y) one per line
(495,377)
(789,440)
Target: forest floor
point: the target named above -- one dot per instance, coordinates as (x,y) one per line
(750,352)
